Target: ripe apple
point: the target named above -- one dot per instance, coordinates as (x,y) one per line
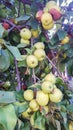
(39,45)
(46,19)
(50,78)
(55,14)
(39,14)
(42,98)
(6,25)
(25,33)
(40,54)
(71,125)
(65,40)
(56,96)
(28,95)
(26,114)
(31,61)
(47,87)
(23,41)
(49,26)
(34,105)
(50,4)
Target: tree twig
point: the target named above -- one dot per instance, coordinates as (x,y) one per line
(18,77)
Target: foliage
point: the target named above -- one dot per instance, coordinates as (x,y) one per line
(16,76)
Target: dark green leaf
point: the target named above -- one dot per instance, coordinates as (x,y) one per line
(1,30)
(14,50)
(7,97)
(61,34)
(4,60)
(8,118)
(22,18)
(70,108)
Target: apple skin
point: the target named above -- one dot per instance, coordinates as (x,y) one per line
(25,33)
(6,25)
(46,19)
(31,61)
(23,41)
(40,54)
(49,26)
(39,15)
(55,14)
(65,40)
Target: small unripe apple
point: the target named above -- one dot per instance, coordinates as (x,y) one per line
(65,40)
(25,33)
(23,41)
(6,25)
(39,14)
(55,14)
(31,61)
(40,54)
(35,33)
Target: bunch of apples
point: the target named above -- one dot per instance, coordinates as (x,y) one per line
(48,92)
(25,34)
(37,55)
(49,14)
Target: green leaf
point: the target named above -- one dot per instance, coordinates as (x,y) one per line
(1,30)
(8,118)
(64,115)
(40,121)
(22,63)
(61,34)
(7,97)
(14,50)
(22,18)
(21,45)
(70,108)
(20,107)
(51,127)
(29,51)
(4,60)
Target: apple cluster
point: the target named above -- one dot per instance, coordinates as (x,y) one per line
(38,55)
(48,92)
(25,34)
(49,14)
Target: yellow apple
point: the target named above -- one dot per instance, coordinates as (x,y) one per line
(40,54)
(34,105)
(23,41)
(42,98)
(47,87)
(51,78)
(31,61)
(26,114)
(39,45)
(49,26)
(65,40)
(25,33)
(46,19)
(56,96)
(71,125)
(50,3)
(28,95)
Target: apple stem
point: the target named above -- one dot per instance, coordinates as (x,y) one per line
(18,77)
